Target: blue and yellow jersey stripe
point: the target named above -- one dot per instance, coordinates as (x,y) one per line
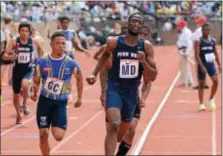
(60,69)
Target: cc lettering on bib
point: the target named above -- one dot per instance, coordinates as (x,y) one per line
(23,57)
(68,45)
(209,57)
(54,85)
(129,68)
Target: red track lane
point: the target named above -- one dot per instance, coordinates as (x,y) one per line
(181,130)
(86,127)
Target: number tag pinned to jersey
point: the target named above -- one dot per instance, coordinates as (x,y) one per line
(209,57)
(68,45)
(129,68)
(54,85)
(23,57)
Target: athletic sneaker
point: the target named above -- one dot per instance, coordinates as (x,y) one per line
(202,107)
(26,111)
(212,104)
(19,120)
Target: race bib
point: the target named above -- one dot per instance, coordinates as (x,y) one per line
(209,57)
(23,57)
(68,46)
(128,68)
(54,85)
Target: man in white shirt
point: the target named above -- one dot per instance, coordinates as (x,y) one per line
(185,46)
(196,35)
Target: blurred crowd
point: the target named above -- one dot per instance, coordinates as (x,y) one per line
(37,11)
(83,13)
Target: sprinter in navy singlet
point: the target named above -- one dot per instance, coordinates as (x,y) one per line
(20,50)
(104,71)
(72,41)
(129,62)
(127,141)
(206,55)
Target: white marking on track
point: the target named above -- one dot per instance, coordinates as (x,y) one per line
(137,149)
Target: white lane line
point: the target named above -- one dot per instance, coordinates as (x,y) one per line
(213,126)
(137,149)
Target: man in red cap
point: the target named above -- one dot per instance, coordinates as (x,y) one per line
(185,46)
(197,34)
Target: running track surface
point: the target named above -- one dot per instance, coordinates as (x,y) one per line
(175,125)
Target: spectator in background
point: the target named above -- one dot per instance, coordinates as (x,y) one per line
(151,8)
(184,45)
(35,11)
(83,38)
(167,25)
(117,29)
(156,37)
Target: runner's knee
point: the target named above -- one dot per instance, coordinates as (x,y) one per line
(58,133)
(25,84)
(58,137)
(114,124)
(215,80)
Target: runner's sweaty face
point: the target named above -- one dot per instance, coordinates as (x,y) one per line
(64,24)
(24,33)
(206,31)
(58,45)
(135,24)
